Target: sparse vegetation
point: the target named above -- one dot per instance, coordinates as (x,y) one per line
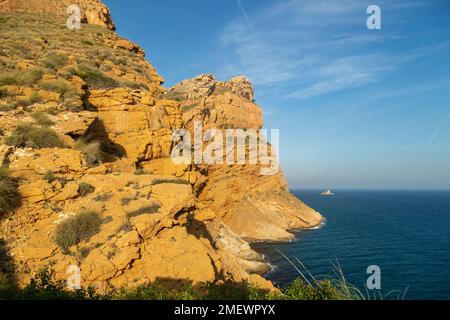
(87,42)
(55,60)
(188,107)
(42,118)
(125,201)
(6,80)
(60,87)
(144,210)
(9,193)
(35,98)
(26,102)
(26,78)
(102,197)
(173,181)
(96,79)
(7,107)
(44,287)
(85,189)
(49,176)
(30,77)
(26,135)
(3,93)
(75,229)
(93,151)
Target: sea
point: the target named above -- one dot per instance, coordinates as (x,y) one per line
(406,234)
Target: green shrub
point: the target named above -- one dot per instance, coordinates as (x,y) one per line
(133,85)
(27,77)
(6,80)
(8,107)
(300,290)
(55,60)
(188,108)
(9,193)
(44,287)
(158,292)
(35,98)
(42,118)
(100,53)
(85,189)
(3,93)
(60,87)
(35,137)
(96,79)
(121,61)
(230,290)
(75,229)
(49,176)
(30,76)
(87,42)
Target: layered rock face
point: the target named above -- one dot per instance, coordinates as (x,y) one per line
(114,121)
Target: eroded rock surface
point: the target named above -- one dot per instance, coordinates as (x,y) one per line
(106,104)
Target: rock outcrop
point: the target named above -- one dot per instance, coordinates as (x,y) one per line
(93,11)
(86,126)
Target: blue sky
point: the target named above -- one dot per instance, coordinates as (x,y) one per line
(356,108)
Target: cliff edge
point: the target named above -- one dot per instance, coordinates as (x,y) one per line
(86,131)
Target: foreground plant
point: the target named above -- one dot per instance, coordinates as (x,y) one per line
(75,229)
(9,193)
(44,287)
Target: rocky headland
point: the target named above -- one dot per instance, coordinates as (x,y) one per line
(86,134)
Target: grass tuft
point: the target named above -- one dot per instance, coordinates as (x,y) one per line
(55,60)
(77,228)
(93,151)
(144,210)
(85,189)
(35,137)
(49,176)
(42,118)
(95,79)
(173,181)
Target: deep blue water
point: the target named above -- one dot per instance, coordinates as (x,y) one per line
(405,233)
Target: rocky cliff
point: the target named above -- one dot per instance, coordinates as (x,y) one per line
(86,130)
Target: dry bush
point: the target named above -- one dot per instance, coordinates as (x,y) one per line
(77,228)
(26,135)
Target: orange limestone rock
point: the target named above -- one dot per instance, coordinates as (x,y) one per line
(86,128)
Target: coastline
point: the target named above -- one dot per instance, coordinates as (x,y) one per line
(294,232)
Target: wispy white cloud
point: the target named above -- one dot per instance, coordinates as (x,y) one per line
(311,48)
(244,14)
(438,130)
(352,71)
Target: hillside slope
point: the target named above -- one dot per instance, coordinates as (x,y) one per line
(86,131)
